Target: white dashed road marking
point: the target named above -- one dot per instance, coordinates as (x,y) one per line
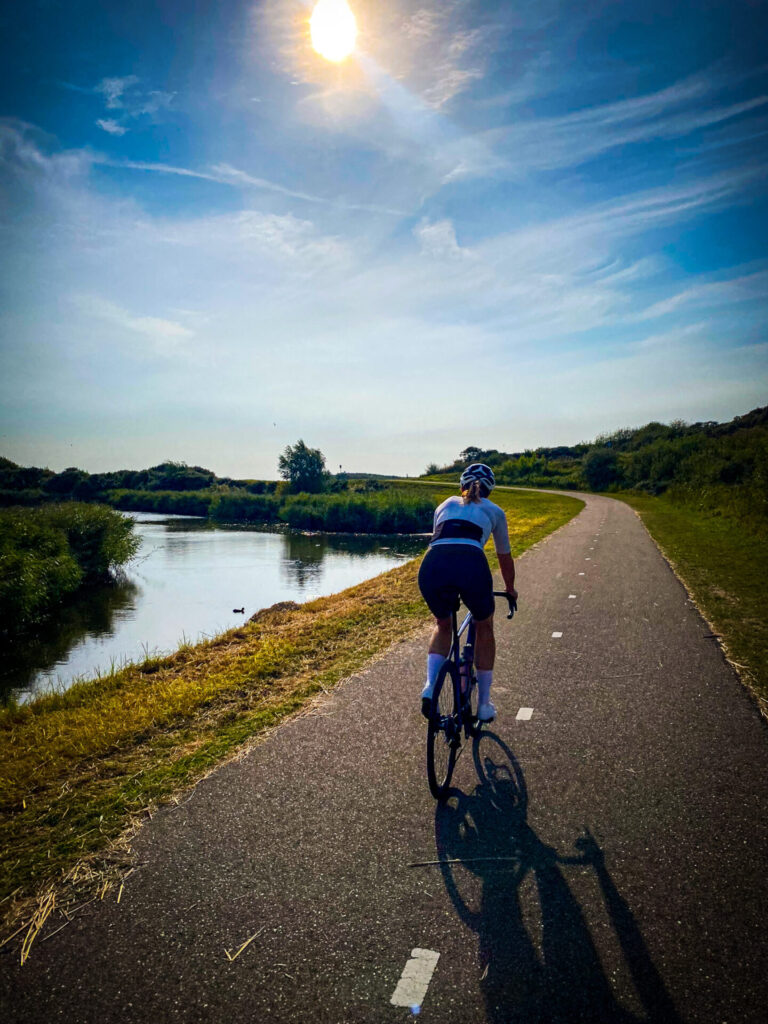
(524,714)
(571,597)
(415,979)
(556,636)
(582,574)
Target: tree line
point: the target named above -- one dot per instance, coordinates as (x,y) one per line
(715,465)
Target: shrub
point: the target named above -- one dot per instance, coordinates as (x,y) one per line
(99,538)
(47,553)
(390,511)
(239,505)
(181,503)
(601,468)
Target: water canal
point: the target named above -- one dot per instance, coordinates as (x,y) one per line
(184,585)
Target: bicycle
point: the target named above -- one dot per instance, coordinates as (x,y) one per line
(452,708)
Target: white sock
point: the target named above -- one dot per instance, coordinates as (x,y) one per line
(434,661)
(484,681)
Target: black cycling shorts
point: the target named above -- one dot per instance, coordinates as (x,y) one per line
(453,571)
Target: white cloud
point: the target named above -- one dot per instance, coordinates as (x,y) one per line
(225,174)
(747,288)
(440,57)
(154,101)
(167,337)
(546,143)
(113,90)
(438,239)
(131,100)
(111,127)
(284,308)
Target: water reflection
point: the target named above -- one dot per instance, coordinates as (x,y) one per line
(305,556)
(301,559)
(27,661)
(189,576)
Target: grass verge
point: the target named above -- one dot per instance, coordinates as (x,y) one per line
(723,562)
(80,768)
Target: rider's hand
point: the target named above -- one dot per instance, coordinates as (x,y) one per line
(513,592)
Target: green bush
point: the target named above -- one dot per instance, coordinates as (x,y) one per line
(601,468)
(181,503)
(390,511)
(23,497)
(239,506)
(99,538)
(47,553)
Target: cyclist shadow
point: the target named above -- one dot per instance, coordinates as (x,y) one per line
(487,834)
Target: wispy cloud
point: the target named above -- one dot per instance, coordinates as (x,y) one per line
(225,174)
(733,290)
(127,101)
(167,337)
(439,55)
(438,239)
(113,90)
(547,143)
(111,127)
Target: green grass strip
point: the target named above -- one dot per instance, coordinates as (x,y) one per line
(77,768)
(723,562)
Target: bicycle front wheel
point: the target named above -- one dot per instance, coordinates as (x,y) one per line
(443,730)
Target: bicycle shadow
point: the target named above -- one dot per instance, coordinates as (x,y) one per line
(487,834)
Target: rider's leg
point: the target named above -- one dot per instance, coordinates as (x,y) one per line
(485,643)
(485,655)
(441,637)
(439,646)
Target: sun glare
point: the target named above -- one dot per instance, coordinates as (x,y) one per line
(333,29)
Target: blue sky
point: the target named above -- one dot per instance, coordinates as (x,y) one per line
(502,224)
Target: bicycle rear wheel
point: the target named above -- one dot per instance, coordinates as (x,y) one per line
(443,730)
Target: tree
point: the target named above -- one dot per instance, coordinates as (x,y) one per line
(601,468)
(66,481)
(303,467)
(470,454)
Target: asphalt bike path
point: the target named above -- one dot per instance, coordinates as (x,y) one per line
(602,857)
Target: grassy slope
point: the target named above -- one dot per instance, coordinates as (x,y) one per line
(724,565)
(77,768)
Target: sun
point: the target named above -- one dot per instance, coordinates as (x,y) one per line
(333,29)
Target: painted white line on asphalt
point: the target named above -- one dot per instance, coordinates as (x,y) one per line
(582,574)
(415,979)
(524,714)
(556,636)
(571,597)
(587,559)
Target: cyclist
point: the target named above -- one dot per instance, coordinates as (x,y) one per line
(455,567)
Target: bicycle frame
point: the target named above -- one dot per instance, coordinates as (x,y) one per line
(468,654)
(468,626)
(451,723)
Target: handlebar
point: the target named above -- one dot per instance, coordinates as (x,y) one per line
(510,601)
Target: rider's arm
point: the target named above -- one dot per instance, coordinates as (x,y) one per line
(507,567)
(502,545)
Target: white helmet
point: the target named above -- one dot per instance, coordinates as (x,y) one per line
(481,472)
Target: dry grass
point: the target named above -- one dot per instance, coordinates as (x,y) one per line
(79,770)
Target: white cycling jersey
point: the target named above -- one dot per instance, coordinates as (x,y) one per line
(483,514)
